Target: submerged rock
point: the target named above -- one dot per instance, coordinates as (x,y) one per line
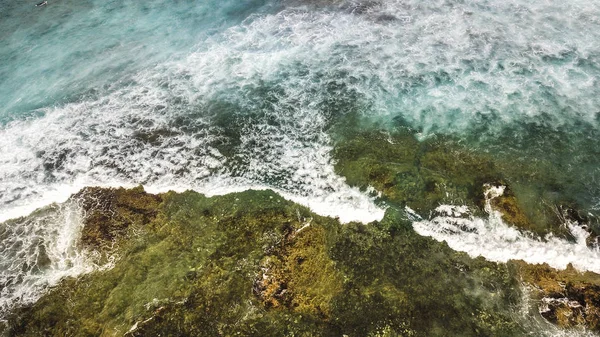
(297,273)
(422,175)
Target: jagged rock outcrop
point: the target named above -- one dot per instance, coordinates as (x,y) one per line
(567,297)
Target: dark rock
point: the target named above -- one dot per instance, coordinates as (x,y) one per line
(256,264)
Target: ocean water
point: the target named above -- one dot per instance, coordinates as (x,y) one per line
(221,96)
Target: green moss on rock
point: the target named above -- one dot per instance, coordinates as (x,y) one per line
(415,285)
(109,213)
(253,263)
(299,274)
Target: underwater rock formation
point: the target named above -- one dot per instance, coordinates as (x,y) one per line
(438,171)
(423,174)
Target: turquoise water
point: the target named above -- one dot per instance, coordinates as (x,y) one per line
(225,95)
(234,93)
(70,50)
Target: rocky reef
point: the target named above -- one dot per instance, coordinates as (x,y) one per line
(423,174)
(253,263)
(110,213)
(568,298)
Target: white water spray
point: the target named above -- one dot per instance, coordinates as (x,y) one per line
(37,251)
(497,241)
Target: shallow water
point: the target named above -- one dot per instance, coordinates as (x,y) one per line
(221,96)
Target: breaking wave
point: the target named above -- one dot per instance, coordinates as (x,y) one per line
(38,251)
(252,105)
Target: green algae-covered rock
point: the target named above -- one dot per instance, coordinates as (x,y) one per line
(253,264)
(419,174)
(111,212)
(567,297)
(422,174)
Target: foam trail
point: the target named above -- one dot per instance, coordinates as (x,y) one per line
(347,204)
(497,241)
(38,251)
(189,123)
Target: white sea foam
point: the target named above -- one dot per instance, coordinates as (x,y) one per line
(38,251)
(497,241)
(102,143)
(161,131)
